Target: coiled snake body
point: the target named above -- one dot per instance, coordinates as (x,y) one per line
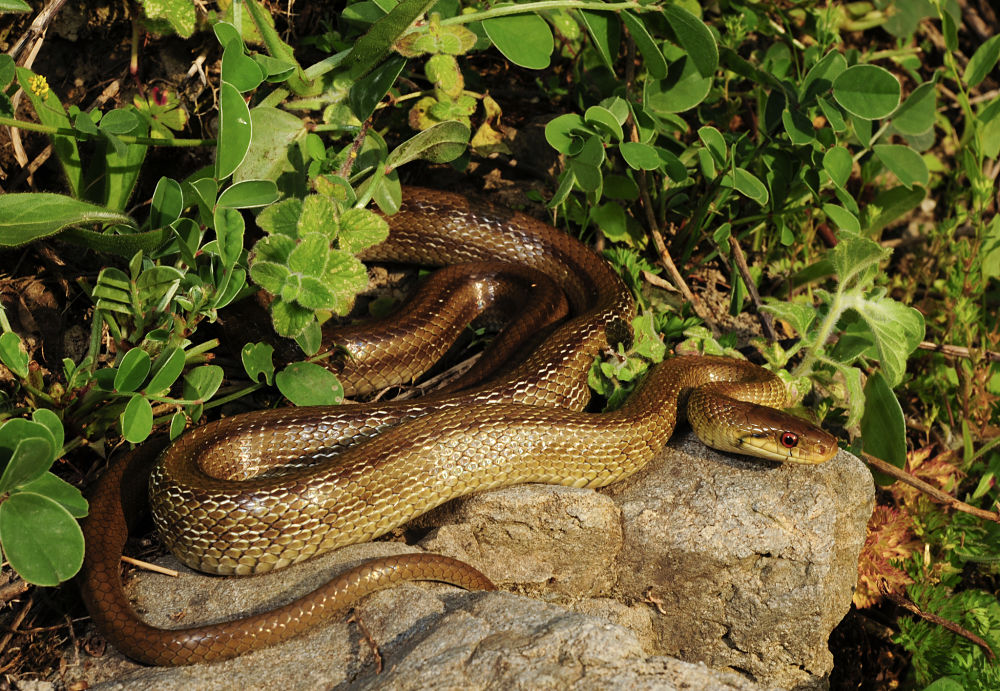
(234,496)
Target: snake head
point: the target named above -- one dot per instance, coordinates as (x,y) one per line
(779,436)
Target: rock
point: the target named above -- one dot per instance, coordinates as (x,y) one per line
(743,565)
(427,636)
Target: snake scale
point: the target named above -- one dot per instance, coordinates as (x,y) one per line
(258,491)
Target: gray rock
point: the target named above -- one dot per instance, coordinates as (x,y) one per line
(742,565)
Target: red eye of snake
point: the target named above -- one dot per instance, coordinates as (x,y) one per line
(789,440)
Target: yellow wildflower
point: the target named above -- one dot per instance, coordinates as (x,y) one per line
(39,86)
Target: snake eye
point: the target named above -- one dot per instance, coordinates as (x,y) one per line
(789,440)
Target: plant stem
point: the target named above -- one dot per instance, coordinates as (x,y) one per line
(126,138)
(541,5)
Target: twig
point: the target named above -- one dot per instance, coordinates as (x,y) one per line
(957,351)
(741,266)
(37,28)
(934,492)
(368,638)
(12,590)
(655,280)
(345,168)
(151,567)
(910,606)
(17,622)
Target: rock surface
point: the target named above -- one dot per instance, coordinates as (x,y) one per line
(743,565)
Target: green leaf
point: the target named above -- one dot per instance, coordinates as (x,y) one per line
(165,371)
(360,229)
(269,275)
(898,330)
(916,114)
(890,205)
(610,218)
(440,143)
(31,457)
(748,184)
(306,383)
(177,424)
(239,69)
(268,157)
(179,14)
(982,61)
(346,276)
(819,79)
(201,383)
(605,33)
(696,39)
(132,371)
(31,216)
(565,133)
(41,539)
(524,39)
(715,143)
(640,156)
(229,229)
(366,93)
(257,360)
(683,89)
(13,355)
(378,41)
(235,131)
(842,218)
(856,259)
(168,203)
(59,491)
(290,319)
(318,217)
(281,219)
(604,120)
(883,428)
(136,420)
(248,194)
(14,6)
(837,163)
(310,255)
(652,59)
(867,91)
(50,112)
(905,163)
(799,315)
(50,421)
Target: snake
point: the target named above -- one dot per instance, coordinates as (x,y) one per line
(259,491)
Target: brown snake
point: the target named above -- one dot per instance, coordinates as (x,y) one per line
(373,467)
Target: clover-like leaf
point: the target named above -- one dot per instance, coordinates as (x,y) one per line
(310,254)
(269,275)
(346,276)
(281,218)
(289,319)
(273,248)
(361,228)
(319,215)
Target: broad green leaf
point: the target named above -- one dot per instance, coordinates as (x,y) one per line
(310,256)
(179,14)
(360,229)
(366,93)
(258,359)
(605,33)
(239,69)
(14,6)
(31,457)
(235,131)
(136,420)
(166,369)
(281,219)
(524,39)
(856,258)
(59,491)
(683,89)
(890,205)
(799,128)
(441,143)
(601,118)
(370,49)
(13,355)
(201,383)
(132,371)
(310,338)
(168,203)
(346,276)
(268,157)
(41,539)
(905,163)
(120,121)
(748,184)
(30,216)
(269,275)
(867,91)
(842,218)
(640,156)
(695,38)
(50,421)
(652,59)
(799,315)
(883,429)
(290,319)
(229,229)
(610,218)
(819,79)
(897,328)
(565,133)
(715,143)
(318,217)
(837,163)
(178,422)
(982,61)
(916,114)
(305,383)
(248,194)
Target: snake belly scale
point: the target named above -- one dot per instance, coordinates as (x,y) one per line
(235,495)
